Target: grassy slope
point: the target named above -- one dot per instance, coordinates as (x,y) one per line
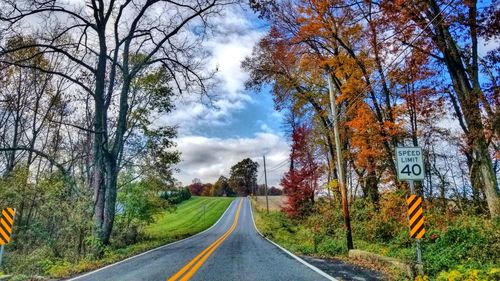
(275,227)
(186,220)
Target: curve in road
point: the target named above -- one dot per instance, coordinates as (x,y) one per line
(232,249)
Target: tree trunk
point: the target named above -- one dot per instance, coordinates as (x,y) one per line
(371,189)
(110,200)
(100,152)
(469,99)
(10,165)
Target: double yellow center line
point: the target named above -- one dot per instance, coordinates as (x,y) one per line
(190,269)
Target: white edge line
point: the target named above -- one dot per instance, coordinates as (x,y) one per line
(315,269)
(152,250)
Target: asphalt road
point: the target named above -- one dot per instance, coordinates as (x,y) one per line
(230,250)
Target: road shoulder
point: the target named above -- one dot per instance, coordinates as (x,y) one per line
(312,267)
(344,271)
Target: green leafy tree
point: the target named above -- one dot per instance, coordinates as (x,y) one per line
(222,187)
(138,202)
(243,177)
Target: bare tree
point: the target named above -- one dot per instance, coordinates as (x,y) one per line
(111,43)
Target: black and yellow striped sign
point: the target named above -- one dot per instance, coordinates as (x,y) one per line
(6,223)
(416,217)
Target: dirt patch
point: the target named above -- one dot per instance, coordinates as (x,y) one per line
(275,202)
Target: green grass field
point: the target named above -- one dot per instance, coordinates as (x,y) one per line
(189,218)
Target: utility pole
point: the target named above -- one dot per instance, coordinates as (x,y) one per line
(265,180)
(254,190)
(340,167)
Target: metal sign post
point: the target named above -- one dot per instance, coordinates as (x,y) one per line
(1,254)
(410,168)
(203,212)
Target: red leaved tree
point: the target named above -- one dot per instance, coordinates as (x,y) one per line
(196,187)
(301,182)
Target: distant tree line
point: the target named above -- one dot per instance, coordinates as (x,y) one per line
(176,196)
(242,181)
(272,190)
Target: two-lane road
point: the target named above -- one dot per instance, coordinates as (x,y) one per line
(230,250)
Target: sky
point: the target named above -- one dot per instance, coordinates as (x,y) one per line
(238,124)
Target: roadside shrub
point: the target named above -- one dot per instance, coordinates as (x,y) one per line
(403,240)
(175,197)
(384,229)
(60,269)
(274,222)
(466,274)
(38,262)
(20,277)
(285,222)
(470,242)
(332,247)
(138,203)
(380,223)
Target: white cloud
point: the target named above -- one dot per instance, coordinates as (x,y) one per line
(208,158)
(232,41)
(266,128)
(485,46)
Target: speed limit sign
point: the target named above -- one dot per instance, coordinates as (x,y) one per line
(410,164)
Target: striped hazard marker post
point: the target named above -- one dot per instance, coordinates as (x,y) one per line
(415,216)
(6,224)
(416,222)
